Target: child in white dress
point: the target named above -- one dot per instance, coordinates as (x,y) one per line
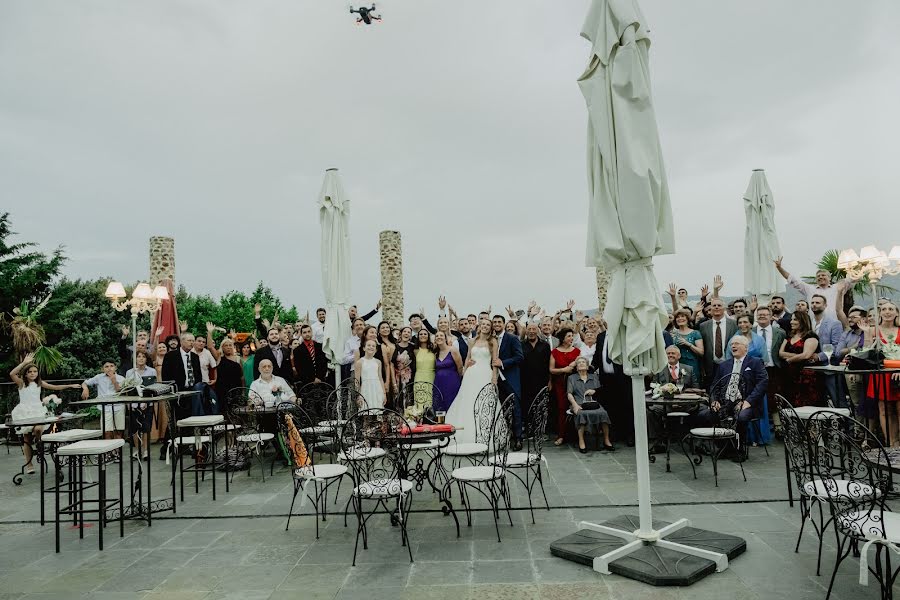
(369,378)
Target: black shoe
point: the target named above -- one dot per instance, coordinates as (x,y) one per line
(583,450)
(517,445)
(609,448)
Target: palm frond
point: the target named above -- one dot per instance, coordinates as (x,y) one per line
(48,359)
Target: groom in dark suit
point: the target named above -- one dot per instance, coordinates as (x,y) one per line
(510,355)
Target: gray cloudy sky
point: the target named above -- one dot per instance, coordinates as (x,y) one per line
(458,123)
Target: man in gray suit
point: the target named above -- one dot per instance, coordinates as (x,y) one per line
(717,331)
(685,373)
(773,335)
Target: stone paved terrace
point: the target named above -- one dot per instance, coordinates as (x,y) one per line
(237,547)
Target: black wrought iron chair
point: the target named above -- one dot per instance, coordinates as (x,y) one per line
(485,412)
(488,480)
(301,436)
(852,473)
(722,435)
(531,458)
(313,397)
(251,424)
(377,482)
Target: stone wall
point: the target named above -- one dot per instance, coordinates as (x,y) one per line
(162,259)
(391,277)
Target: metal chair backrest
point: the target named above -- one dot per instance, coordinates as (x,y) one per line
(485,412)
(796,441)
(719,392)
(421,393)
(846,459)
(295,425)
(536,426)
(243,404)
(501,432)
(372,429)
(314,399)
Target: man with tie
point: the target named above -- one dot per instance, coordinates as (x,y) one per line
(746,385)
(183,367)
(716,331)
(615,392)
(278,354)
(509,356)
(674,371)
(309,359)
(772,335)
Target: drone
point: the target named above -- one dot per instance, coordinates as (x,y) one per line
(366,15)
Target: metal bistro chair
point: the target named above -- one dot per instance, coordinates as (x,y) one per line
(849,466)
(798,462)
(344,404)
(491,476)
(722,435)
(485,412)
(247,419)
(299,431)
(530,460)
(377,481)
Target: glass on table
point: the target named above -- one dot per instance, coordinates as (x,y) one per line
(828,350)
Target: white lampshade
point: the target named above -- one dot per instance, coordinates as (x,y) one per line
(160,293)
(142,292)
(115,290)
(847,258)
(895,254)
(869,253)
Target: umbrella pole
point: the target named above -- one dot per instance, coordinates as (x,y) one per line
(634,541)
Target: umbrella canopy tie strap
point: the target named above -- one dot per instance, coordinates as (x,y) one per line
(638,262)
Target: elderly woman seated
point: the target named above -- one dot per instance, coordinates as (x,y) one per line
(581,389)
(269,388)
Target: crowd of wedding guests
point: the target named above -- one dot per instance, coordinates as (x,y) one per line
(767,347)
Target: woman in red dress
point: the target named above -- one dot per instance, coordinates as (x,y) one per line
(801,345)
(562,364)
(887,395)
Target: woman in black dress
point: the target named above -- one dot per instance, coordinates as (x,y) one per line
(229,373)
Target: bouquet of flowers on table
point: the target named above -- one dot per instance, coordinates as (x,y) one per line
(413,413)
(666,390)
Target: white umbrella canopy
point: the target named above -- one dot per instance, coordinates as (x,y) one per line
(761,246)
(630,216)
(334,217)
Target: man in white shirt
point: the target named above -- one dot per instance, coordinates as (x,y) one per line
(108,383)
(270,389)
(773,335)
(318,327)
(833,294)
(350,348)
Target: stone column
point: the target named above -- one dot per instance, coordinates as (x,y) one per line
(391,277)
(602,286)
(162,259)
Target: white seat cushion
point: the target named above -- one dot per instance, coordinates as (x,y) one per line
(206,421)
(805,412)
(466,449)
(870,524)
(333,423)
(429,445)
(842,488)
(71,435)
(477,473)
(320,472)
(226,427)
(90,447)
(677,414)
(713,432)
(317,429)
(518,459)
(383,488)
(252,438)
(362,454)
(187,441)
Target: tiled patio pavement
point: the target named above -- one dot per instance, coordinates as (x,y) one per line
(237,546)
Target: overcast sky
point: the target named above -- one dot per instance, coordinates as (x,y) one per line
(459,124)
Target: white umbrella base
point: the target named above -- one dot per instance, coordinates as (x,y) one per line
(680,555)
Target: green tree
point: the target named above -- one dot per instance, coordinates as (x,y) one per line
(26,275)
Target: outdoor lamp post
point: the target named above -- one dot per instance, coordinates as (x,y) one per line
(142,300)
(874,264)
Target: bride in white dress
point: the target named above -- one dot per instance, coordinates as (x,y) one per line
(478,374)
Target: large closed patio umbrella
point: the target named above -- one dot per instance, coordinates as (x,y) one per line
(334,217)
(629,222)
(761,246)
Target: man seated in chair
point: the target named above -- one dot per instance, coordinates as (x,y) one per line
(738,391)
(673,372)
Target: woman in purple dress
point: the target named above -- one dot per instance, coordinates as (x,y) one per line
(448,368)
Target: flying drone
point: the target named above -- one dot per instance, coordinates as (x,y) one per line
(366,15)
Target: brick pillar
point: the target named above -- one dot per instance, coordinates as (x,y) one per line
(162,259)
(391,277)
